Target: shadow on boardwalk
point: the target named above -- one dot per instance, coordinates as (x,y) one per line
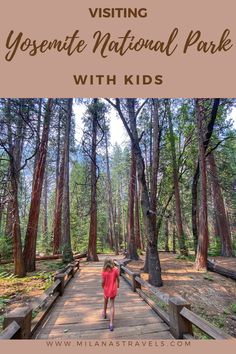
(77,314)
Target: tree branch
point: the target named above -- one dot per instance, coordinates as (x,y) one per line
(141,107)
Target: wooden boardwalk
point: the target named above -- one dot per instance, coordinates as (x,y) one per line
(77,314)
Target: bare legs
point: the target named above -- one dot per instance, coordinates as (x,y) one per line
(105,307)
(112,311)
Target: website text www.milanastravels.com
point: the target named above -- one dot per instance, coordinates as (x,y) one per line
(118,343)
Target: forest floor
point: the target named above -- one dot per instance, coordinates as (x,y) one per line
(213,297)
(24,290)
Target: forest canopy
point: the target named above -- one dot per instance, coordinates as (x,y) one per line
(169,186)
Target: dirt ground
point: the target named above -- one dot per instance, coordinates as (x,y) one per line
(211,295)
(229,263)
(15,291)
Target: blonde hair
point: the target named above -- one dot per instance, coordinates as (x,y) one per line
(108,263)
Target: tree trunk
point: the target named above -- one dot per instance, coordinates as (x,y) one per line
(19,267)
(119,220)
(37,143)
(58,209)
(110,237)
(146,262)
(194,208)
(219,210)
(1,214)
(201,258)
(66,237)
(167,234)
(59,192)
(151,157)
(207,138)
(154,262)
(137,223)
(123,228)
(150,226)
(45,208)
(110,200)
(16,148)
(174,240)
(15,153)
(32,227)
(146,164)
(155,139)
(132,247)
(179,223)
(92,245)
(9,220)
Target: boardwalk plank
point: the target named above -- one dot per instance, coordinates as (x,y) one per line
(80,318)
(100,325)
(77,314)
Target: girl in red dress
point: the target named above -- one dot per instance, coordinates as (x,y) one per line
(110,283)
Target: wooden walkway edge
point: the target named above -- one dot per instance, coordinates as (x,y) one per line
(77,314)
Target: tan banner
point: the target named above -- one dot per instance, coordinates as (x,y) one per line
(117,346)
(118,48)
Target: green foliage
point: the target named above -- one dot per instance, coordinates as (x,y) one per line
(190,257)
(44,275)
(226,312)
(208,276)
(5,248)
(34,313)
(214,248)
(218,321)
(198,334)
(1,320)
(233,307)
(140,252)
(223,141)
(159,303)
(105,250)
(7,275)
(80,199)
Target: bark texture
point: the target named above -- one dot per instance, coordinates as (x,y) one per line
(15,146)
(132,247)
(113,234)
(137,231)
(66,237)
(60,166)
(219,210)
(201,258)
(207,137)
(178,213)
(154,262)
(92,245)
(32,227)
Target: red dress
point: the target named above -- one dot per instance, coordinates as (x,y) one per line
(110,284)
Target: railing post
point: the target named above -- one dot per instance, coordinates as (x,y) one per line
(61,287)
(22,316)
(77,264)
(135,284)
(178,324)
(73,271)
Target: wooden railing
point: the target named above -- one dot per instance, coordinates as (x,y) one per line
(176,311)
(18,323)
